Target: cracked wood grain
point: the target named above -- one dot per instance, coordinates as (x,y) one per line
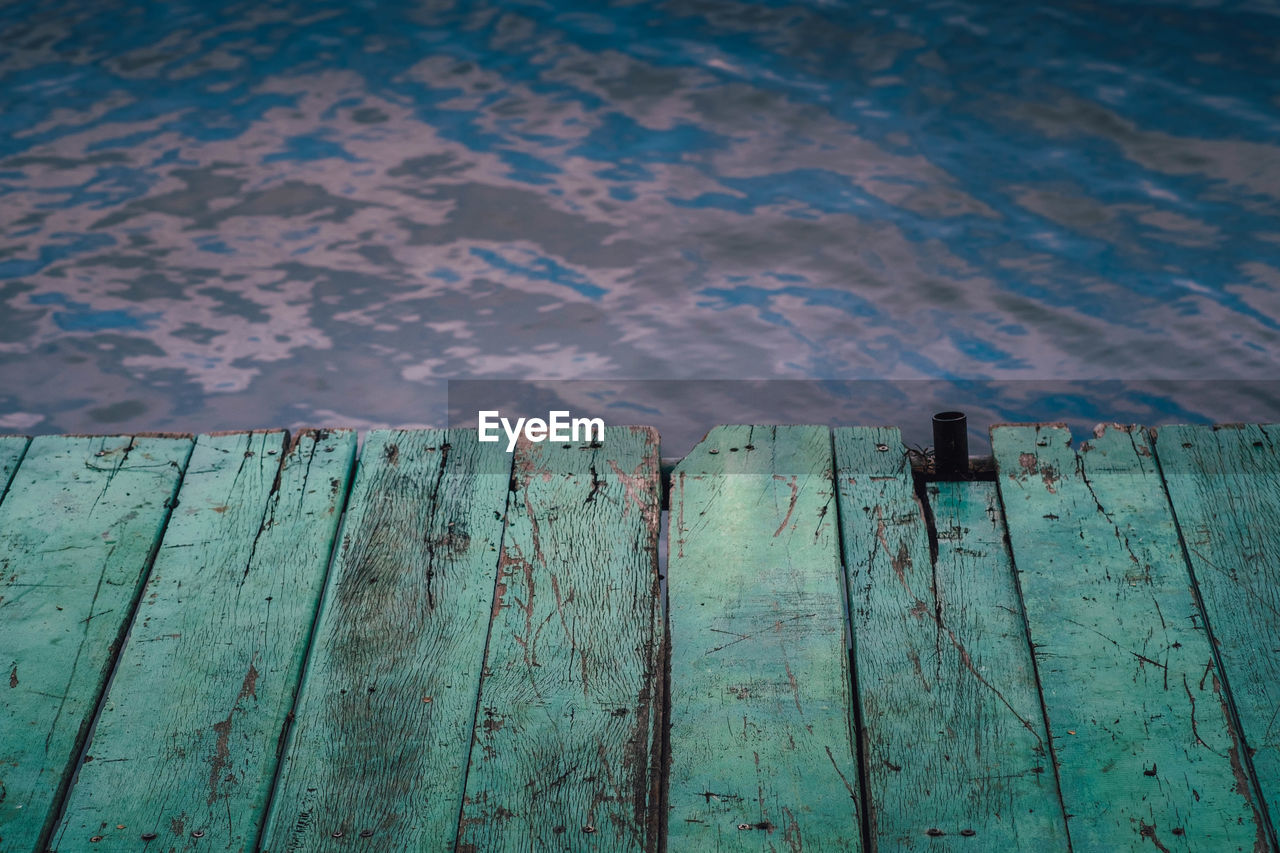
(78,529)
(761,747)
(1145,749)
(1224,484)
(186,743)
(954,745)
(378,750)
(12,447)
(565,750)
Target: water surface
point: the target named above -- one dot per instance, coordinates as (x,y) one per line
(231,215)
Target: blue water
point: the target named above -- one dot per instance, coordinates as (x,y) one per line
(231,215)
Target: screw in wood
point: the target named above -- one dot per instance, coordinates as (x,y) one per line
(337,833)
(366,833)
(148,836)
(589,828)
(199,833)
(744,826)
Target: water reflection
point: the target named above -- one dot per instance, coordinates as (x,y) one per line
(236,215)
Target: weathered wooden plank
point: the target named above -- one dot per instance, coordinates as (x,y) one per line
(78,530)
(953,741)
(12,447)
(1139,723)
(761,745)
(378,750)
(1224,484)
(186,742)
(564,753)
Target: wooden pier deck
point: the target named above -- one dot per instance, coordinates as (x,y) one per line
(256,642)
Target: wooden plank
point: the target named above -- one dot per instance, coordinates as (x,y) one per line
(564,754)
(186,742)
(1139,725)
(78,530)
(761,746)
(378,750)
(1224,484)
(12,447)
(953,741)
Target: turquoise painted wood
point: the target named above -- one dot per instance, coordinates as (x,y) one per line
(761,747)
(566,746)
(560,728)
(12,447)
(187,740)
(1224,484)
(1138,718)
(78,528)
(378,750)
(955,751)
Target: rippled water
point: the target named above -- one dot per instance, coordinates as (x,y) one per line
(248,214)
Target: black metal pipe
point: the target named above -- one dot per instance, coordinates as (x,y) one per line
(951,444)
